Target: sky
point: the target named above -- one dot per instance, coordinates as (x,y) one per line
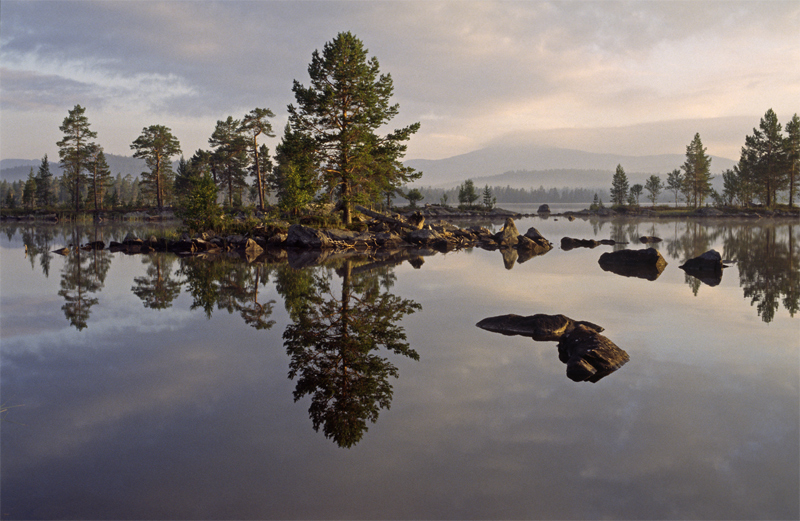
(632,78)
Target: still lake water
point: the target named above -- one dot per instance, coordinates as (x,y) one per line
(153,387)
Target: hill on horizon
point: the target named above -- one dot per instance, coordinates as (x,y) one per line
(17,169)
(524,166)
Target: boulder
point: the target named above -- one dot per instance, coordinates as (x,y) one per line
(539,327)
(543,209)
(252,247)
(708,261)
(300,236)
(649,239)
(95,245)
(508,236)
(644,264)
(424,237)
(589,355)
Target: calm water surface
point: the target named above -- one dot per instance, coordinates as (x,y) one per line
(156,387)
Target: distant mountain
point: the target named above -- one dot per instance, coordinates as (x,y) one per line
(557,167)
(17,169)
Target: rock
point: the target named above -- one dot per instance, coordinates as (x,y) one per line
(508,236)
(708,261)
(589,355)
(130,240)
(543,209)
(709,212)
(252,247)
(424,237)
(649,239)
(300,236)
(63,251)
(539,327)
(645,264)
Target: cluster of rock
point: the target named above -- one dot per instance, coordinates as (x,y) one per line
(589,356)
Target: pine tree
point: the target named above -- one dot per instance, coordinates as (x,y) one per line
(488,199)
(792,155)
(345,104)
(156,145)
(467,193)
(99,176)
(229,158)
(619,187)
(44,185)
(255,124)
(763,156)
(74,151)
(295,177)
(29,191)
(697,173)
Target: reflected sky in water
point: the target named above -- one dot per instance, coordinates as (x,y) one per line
(169,413)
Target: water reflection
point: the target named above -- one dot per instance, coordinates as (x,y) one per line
(157,288)
(333,342)
(82,276)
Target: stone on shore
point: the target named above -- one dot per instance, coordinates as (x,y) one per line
(539,327)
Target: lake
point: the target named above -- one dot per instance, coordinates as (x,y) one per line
(159,387)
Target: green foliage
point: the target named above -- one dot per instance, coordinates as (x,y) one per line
(792,155)
(488,199)
(675,183)
(295,178)
(619,187)
(414,196)
(636,191)
(99,177)
(45,195)
(229,159)
(653,185)
(346,103)
(201,211)
(467,195)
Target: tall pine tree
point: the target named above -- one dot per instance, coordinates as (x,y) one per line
(697,172)
(74,151)
(619,186)
(345,104)
(763,158)
(156,145)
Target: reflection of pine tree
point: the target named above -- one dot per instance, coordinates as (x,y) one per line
(157,289)
(332,343)
(768,267)
(82,276)
(228,284)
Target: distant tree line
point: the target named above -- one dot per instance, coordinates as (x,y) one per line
(507,194)
(767,173)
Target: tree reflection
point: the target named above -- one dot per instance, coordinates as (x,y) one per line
(157,288)
(83,275)
(230,284)
(692,240)
(332,342)
(769,266)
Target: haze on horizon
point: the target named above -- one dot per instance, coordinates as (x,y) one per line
(631,78)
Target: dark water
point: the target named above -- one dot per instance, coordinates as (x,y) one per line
(157,387)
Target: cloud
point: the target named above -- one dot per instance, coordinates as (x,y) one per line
(482,68)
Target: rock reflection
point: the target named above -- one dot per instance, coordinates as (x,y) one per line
(333,343)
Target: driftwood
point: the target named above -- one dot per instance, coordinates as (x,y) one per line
(387,219)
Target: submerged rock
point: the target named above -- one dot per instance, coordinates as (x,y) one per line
(647,239)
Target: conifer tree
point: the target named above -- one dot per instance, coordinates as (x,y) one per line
(229,158)
(619,186)
(29,191)
(697,173)
(74,151)
(763,158)
(99,176)
(792,154)
(156,145)
(253,125)
(346,103)
(44,184)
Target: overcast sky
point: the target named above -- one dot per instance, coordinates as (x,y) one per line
(620,77)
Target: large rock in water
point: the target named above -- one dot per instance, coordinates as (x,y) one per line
(644,264)
(509,235)
(589,355)
(539,327)
(300,236)
(709,261)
